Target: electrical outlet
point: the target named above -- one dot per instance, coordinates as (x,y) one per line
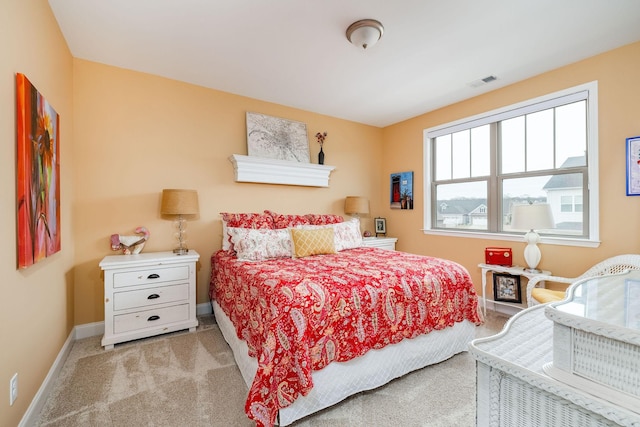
(13,389)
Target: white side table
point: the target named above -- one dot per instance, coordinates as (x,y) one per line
(388,243)
(148,294)
(515,270)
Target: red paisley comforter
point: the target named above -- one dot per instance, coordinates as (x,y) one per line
(298,315)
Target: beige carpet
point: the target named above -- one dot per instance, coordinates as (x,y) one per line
(190,379)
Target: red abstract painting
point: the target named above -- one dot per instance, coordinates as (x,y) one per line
(38,175)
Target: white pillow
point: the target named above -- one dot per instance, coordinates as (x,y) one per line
(258,244)
(346,234)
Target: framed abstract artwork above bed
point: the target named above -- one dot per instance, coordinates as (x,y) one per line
(38,175)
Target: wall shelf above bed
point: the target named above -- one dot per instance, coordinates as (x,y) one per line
(273,171)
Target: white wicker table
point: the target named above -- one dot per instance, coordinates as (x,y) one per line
(513,389)
(596,338)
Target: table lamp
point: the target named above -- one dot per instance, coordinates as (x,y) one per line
(532,217)
(180,204)
(356,206)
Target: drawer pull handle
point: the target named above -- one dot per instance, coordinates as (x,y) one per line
(153,296)
(153,276)
(152,318)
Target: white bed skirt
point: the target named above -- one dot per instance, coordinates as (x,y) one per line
(339,380)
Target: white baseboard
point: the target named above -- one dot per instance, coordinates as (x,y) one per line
(78,332)
(204,308)
(30,417)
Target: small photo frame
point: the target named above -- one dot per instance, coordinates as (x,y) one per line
(633,166)
(506,287)
(381,226)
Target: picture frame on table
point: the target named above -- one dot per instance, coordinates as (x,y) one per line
(506,288)
(633,166)
(380,226)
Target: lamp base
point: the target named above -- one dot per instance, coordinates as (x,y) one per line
(533,270)
(181,251)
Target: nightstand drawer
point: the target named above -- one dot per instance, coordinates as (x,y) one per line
(150,318)
(152,296)
(150,275)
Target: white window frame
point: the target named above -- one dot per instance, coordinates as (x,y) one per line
(535,104)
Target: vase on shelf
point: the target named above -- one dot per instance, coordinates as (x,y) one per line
(321,156)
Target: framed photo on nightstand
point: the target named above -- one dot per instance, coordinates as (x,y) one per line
(381,226)
(506,287)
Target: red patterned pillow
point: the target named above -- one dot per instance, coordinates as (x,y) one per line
(243,220)
(286,221)
(247,220)
(326,219)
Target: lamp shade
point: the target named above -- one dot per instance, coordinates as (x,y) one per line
(365,33)
(179,202)
(355,205)
(532,217)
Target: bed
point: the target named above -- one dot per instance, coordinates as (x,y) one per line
(335,318)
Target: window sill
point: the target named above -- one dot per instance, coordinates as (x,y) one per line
(547,240)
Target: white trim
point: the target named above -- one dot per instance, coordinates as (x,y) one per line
(89,330)
(587,91)
(30,417)
(549,240)
(204,308)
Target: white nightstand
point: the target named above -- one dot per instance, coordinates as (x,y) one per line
(148,294)
(388,243)
(515,270)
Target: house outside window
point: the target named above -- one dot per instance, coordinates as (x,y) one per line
(539,151)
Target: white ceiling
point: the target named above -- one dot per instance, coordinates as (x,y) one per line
(295,52)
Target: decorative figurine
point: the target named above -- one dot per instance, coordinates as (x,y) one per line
(130,244)
(367,233)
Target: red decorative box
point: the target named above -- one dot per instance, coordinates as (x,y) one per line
(498,256)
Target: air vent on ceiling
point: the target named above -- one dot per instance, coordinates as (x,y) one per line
(483,81)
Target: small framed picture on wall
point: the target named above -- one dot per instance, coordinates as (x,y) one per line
(633,166)
(381,226)
(506,287)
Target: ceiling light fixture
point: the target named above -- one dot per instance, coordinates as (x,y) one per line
(365,33)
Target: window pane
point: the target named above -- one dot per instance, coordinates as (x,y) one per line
(462,206)
(480,151)
(512,145)
(461,154)
(577,204)
(521,190)
(552,189)
(540,140)
(571,134)
(443,157)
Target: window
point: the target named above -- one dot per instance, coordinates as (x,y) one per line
(540,151)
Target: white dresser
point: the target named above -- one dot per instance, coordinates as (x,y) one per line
(148,294)
(513,389)
(388,243)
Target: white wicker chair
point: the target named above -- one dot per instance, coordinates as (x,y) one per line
(613,265)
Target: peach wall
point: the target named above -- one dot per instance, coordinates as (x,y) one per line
(619,112)
(139,133)
(36,309)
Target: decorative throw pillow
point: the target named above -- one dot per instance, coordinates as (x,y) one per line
(324,219)
(253,244)
(243,220)
(347,234)
(317,241)
(286,221)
